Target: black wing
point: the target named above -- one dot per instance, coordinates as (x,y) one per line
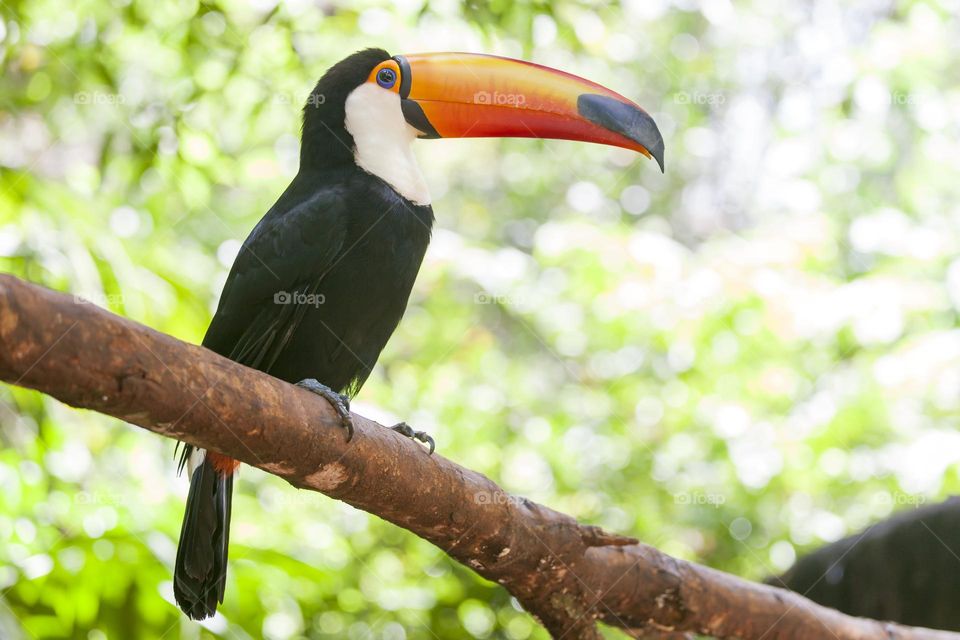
(288,252)
(285,256)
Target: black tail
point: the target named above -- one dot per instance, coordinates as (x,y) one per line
(201,571)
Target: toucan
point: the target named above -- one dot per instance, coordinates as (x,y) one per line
(323,279)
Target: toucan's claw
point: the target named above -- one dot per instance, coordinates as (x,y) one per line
(406,430)
(339,402)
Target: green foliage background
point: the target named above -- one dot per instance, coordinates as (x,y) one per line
(736,361)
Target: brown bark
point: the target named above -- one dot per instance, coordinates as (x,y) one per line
(567,574)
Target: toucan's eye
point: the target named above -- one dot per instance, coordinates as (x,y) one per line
(386,78)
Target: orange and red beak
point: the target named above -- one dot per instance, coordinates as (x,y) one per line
(461,95)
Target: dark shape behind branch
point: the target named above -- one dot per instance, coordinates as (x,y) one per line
(906,568)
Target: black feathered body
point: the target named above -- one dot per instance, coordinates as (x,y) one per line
(323,280)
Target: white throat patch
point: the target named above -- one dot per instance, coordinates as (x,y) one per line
(382,138)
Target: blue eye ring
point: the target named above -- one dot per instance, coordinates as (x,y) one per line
(386,78)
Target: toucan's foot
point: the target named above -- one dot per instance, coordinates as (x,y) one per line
(406,430)
(339,402)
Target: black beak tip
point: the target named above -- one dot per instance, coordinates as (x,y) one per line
(657,152)
(625,119)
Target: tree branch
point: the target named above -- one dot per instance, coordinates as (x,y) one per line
(567,574)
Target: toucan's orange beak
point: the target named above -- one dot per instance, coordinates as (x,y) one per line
(461,95)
